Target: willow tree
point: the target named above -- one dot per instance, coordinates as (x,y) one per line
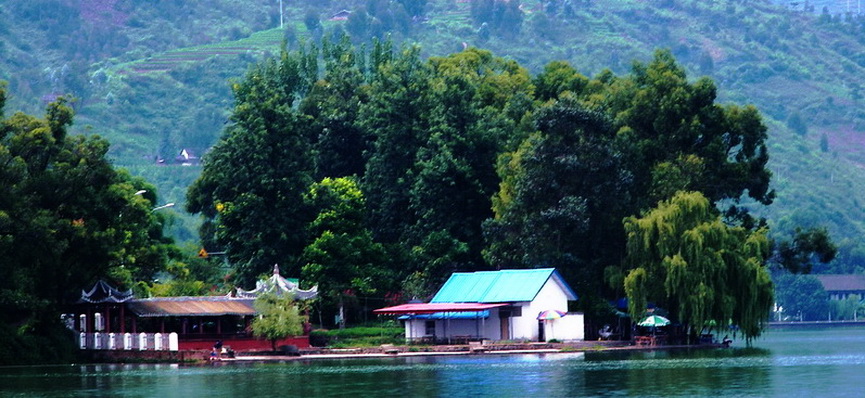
(706,273)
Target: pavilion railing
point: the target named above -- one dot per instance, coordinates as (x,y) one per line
(128,341)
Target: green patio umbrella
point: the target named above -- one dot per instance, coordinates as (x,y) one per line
(654,321)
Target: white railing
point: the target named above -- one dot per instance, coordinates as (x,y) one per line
(128,341)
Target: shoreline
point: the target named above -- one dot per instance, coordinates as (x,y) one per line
(201,357)
(582,347)
(813,324)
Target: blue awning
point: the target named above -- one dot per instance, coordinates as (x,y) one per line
(448,315)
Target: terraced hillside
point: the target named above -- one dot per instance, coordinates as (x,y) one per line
(258,44)
(159,82)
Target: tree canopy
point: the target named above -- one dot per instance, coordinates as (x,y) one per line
(67,219)
(251,188)
(343,258)
(464,163)
(802,297)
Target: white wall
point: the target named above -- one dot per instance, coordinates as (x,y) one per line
(551,297)
(414,329)
(568,328)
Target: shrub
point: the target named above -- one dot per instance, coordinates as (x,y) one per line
(357,336)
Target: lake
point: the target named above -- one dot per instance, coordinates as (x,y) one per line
(814,362)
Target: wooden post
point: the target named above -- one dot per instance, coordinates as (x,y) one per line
(122,318)
(91,322)
(107,317)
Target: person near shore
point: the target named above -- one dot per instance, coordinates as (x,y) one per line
(217,349)
(726,342)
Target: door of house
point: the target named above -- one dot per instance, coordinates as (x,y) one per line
(541,336)
(505,327)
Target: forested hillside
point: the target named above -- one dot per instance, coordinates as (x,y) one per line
(154,77)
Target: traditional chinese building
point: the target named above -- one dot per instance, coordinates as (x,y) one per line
(108,318)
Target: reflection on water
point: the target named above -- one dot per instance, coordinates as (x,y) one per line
(826,362)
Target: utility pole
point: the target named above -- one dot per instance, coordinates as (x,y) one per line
(280,14)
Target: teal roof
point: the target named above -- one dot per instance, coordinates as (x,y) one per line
(503,286)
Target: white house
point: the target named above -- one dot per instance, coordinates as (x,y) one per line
(516,304)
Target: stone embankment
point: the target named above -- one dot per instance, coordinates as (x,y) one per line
(312,353)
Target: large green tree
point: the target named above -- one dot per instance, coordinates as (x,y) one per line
(802,297)
(397,117)
(551,165)
(475,97)
(684,258)
(333,104)
(561,196)
(660,134)
(342,259)
(252,186)
(67,218)
(677,138)
(807,248)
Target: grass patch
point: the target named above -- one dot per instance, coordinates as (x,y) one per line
(367,336)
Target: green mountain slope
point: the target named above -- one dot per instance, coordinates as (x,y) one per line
(155,78)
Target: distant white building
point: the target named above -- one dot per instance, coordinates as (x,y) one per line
(341,15)
(518,304)
(187,158)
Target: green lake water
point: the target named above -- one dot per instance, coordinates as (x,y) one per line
(785,363)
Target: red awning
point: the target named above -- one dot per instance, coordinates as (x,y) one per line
(431,308)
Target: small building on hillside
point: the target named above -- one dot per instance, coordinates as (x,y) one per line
(840,287)
(187,158)
(516,304)
(341,15)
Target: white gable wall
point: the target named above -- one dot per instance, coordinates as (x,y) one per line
(551,297)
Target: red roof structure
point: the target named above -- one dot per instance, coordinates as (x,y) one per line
(431,308)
